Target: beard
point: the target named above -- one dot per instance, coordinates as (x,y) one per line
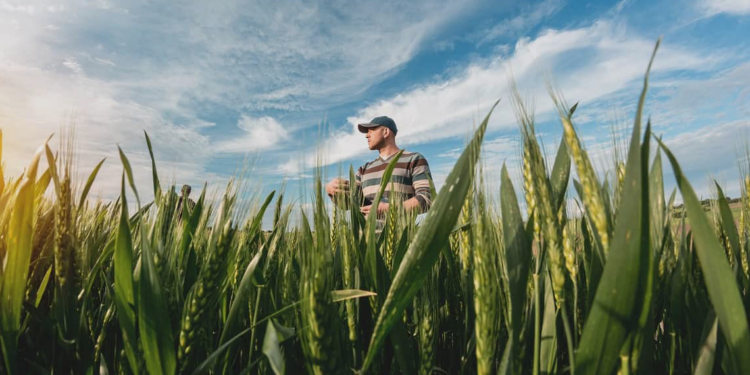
(376,145)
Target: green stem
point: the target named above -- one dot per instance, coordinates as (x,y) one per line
(255,318)
(569,338)
(575,312)
(672,352)
(537,323)
(624,365)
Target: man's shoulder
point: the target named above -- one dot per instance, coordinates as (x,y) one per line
(412,157)
(406,157)
(363,168)
(366,164)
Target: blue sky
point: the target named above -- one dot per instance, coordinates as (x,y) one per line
(283,83)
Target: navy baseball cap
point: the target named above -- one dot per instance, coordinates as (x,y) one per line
(379,121)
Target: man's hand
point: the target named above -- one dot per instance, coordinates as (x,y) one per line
(337,186)
(382,209)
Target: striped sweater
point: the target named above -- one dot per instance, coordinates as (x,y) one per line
(411,178)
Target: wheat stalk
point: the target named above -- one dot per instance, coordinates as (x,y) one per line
(486,298)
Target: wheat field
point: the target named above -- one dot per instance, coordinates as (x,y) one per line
(94,287)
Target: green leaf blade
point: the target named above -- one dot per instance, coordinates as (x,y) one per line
(276,334)
(153,317)
(517,250)
(727,224)
(427,244)
(18,258)
(718,276)
(155,175)
(123,268)
(89,182)
(618,306)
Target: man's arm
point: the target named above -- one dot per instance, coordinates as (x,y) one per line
(412,204)
(420,177)
(339,189)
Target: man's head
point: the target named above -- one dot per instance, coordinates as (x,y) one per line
(380,132)
(186,190)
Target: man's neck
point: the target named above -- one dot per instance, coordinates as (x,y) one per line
(387,151)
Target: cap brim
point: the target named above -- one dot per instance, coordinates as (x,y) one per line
(363,127)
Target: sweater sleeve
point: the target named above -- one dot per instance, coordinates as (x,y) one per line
(421,177)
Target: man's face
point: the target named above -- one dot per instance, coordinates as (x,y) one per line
(376,137)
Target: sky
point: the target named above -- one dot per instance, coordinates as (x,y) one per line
(280,85)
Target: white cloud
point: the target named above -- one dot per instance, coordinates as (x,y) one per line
(260,134)
(56,8)
(730,86)
(73,65)
(300,55)
(527,18)
(238,58)
(616,60)
(713,149)
(26,9)
(104,61)
(733,7)
(35,103)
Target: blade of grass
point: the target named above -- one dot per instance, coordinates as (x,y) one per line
(153,317)
(335,297)
(656,195)
(506,361)
(727,224)
(377,272)
(346,294)
(548,350)
(425,248)
(129,174)
(617,306)
(517,251)
(718,276)
(253,232)
(38,298)
(87,187)
(204,367)
(276,334)
(240,304)
(18,258)
(124,295)
(155,176)
(707,354)
(52,169)
(375,267)
(372,217)
(42,184)
(640,351)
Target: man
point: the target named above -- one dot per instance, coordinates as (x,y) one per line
(410,181)
(184,196)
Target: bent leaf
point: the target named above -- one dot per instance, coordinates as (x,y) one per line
(718,276)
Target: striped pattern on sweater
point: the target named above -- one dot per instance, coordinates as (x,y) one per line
(411,178)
